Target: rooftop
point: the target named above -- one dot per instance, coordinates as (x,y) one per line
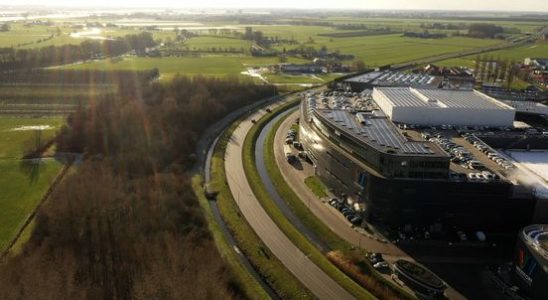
(394,78)
(412,97)
(376,130)
(528,106)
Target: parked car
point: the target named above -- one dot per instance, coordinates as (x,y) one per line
(381,265)
(462,236)
(356,220)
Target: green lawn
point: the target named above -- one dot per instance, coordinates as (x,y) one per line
(316,186)
(22,186)
(13,142)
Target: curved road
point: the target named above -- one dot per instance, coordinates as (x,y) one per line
(272,191)
(292,257)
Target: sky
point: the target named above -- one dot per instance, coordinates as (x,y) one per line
(506,5)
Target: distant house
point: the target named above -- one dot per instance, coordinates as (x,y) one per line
(544,34)
(304,68)
(536,63)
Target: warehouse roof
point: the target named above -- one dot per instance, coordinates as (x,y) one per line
(413,97)
(378,131)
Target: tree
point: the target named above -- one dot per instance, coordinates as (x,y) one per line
(5,27)
(358,65)
(35,145)
(511,74)
(248,35)
(477,66)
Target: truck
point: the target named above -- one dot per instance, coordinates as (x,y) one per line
(288,154)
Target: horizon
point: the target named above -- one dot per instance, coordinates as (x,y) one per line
(491,6)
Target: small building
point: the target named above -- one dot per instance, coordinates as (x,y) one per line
(537,63)
(301,69)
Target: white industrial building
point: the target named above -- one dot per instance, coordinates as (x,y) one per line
(439,107)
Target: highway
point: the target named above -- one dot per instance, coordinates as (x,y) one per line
(297,262)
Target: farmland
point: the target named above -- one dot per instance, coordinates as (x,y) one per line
(22,185)
(539,49)
(211,42)
(213,65)
(16,132)
(219,53)
(22,182)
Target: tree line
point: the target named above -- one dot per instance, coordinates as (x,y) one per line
(127,225)
(11,58)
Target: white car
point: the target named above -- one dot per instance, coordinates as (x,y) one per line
(380,265)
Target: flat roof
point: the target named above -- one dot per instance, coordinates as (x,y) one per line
(396,78)
(416,97)
(379,132)
(528,106)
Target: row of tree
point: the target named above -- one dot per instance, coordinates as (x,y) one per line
(488,69)
(11,58)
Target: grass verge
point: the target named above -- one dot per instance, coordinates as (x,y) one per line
(316,186)
(312,222)
(266,264)
(292,233)
(245,280)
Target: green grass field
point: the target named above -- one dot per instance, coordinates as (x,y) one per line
(212,65)
(13,142)
(209,42)
(518,54)
(37,35)
(22,186)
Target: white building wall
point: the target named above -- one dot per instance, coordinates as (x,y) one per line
(452,116)
(383,102)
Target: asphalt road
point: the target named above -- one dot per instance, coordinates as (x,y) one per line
(297,262)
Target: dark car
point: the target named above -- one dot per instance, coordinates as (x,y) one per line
(356,220)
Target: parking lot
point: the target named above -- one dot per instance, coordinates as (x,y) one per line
(471,158)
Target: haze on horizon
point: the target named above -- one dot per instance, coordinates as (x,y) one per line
(471,5)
